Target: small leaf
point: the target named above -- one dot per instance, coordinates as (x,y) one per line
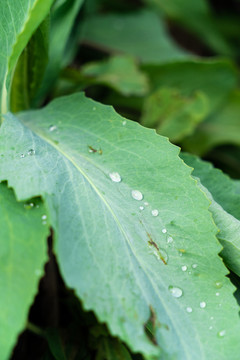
(23,253)
(173,114)
(222,127)
(120,73)
(19,19)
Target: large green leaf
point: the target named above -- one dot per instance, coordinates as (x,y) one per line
(23,252)
(222,127)
(131,33)
(133,246)
(19,19)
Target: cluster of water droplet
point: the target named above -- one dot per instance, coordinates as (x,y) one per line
(161,254)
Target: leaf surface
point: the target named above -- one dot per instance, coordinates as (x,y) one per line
(23,253)
(19,19)
(122,260)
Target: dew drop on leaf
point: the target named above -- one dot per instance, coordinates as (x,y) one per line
(115,177)
(146,203)
(169,240)
(218,284)
(31,152)
(221,333)
(184,268)
(164,231)
(22,156)
(141,208)
(189,309)
(137,195)
(44,217)
(52,128)
(217,293)
(202,304)
(28,206)
(194,266)
(124,122)
(155,212)
(175,291)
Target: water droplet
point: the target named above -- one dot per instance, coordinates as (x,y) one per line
(184,268)
(211,318)
(115,177)
(52,128)
(169,240)
(124,122)
(137,195)
(189,309)
(189,272)
(31,152)
(28,206)
(210,327)
(94,108)
(155,212)
(141,208)
(180,254)
(218,284)
(202,304)
(164,231)
(44,222)
(44,217)
(175,291)
(146,203)
(194,266)
(221,333)
(217,293)
(22,156)
(38,272)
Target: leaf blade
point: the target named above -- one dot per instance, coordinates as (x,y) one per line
(96,218)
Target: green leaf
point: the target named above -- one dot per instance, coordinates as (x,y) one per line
(215,78)
(223,189)
(30,69)
(63,16)
(229,234)
(195,16)
(124,262)
(173,114)
(23,253)
(222,127)
(19,19)
(119,72)
(130,34)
